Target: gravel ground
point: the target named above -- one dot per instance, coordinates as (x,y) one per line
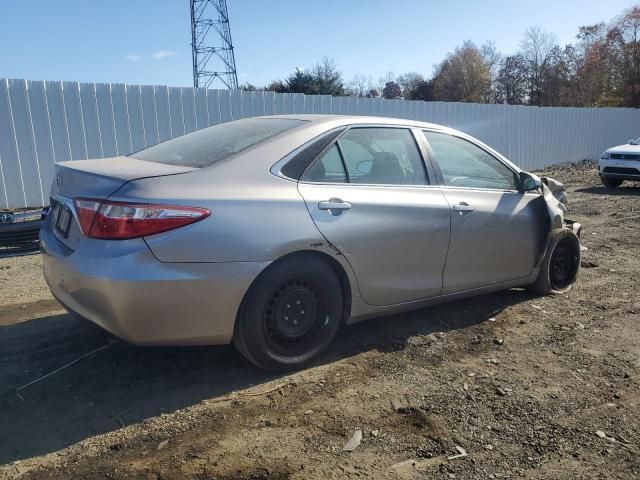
(21,280)
(527,387)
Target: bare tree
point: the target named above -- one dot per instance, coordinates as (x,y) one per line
(511,81)
(359,86)
(382,81)
(536,49)
(409,81)
(492,58)
(625,34)
(593,75)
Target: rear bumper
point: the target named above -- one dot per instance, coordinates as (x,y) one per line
(144,301)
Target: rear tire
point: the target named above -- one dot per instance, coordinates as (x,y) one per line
(611,182)
(560,265)
(290,314)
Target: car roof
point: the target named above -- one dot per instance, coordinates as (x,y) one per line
(333,121)
(357,119)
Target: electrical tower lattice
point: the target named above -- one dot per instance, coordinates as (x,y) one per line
(211,48)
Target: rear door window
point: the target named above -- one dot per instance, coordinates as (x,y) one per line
(213,144)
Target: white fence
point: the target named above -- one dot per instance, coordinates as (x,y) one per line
(46,122)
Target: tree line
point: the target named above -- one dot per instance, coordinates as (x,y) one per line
(601,68)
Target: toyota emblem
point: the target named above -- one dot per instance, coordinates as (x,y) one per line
(6,217)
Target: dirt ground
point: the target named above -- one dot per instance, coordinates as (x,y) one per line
(528,387)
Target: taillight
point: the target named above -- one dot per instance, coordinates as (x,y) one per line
(122,220)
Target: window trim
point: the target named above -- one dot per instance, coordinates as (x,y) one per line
(320,157)
(341,153)
(440,177)
(428,173)
(277,167)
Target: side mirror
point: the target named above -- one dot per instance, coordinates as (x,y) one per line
(529,182)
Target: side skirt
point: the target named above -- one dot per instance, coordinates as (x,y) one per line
(361,311)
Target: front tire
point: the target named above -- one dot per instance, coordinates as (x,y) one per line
(290,314)
(611,182)
(560,265)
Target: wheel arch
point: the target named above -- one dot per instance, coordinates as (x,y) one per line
(343,277)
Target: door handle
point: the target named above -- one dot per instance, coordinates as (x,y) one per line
(334,205)
(463,208)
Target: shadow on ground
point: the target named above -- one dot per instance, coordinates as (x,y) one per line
(124,384)
(625,190)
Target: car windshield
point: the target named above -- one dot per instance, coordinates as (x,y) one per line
(635,142)
(210,145)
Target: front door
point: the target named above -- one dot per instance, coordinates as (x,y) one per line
(495,228)
(369,197)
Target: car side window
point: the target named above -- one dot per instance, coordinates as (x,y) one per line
(464,164)
(382,156)
(328,168)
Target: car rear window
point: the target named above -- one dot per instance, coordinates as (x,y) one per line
(210,145)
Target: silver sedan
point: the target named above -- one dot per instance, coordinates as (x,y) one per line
(272,232)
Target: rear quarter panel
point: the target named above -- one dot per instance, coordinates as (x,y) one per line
(260,217)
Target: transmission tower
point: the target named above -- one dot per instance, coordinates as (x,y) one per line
(211,46)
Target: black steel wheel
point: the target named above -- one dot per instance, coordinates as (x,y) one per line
(293,316)
(291,313)
(560,265)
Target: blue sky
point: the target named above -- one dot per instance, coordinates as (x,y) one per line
(147,41)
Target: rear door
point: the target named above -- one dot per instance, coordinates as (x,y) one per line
(495,228)
(369,195)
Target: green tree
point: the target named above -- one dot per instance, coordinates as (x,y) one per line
(322,79)
(464,76)
(423,90)
(300,82)
(391,90)
(327,78)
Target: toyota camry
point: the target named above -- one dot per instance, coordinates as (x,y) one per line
(272,232)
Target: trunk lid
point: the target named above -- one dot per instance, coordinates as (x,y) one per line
(96,179)
(100,178)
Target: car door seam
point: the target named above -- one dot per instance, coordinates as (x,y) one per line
(446,257)
(330,244)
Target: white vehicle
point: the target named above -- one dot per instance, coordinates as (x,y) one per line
(620,163)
